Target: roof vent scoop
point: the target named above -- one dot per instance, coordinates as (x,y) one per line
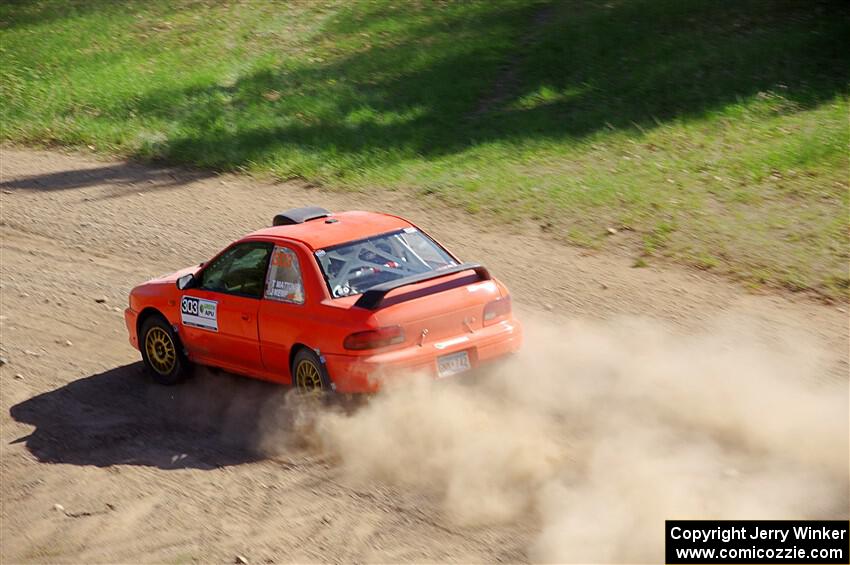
(299,215)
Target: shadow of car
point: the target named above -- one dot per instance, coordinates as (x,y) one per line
(118,417)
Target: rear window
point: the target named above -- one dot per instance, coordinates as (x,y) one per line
(355,267)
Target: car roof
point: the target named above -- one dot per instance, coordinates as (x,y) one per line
(337,228)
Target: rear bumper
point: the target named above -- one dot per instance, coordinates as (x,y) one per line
(354,374)
(130,318)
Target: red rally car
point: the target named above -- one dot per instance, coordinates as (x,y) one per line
(337,302)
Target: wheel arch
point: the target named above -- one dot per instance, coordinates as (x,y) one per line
(293,351)
(146,313)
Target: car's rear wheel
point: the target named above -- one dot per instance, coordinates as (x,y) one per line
(161,352)
(308,373)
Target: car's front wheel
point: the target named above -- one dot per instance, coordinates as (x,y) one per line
(308,373)
(161,352)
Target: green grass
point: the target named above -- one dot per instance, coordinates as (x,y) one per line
(714,133)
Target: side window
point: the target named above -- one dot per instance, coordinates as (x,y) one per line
(240,270)
(284,280)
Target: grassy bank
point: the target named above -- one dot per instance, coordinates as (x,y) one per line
(715,133)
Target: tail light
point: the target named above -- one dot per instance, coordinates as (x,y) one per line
(373,339)
(497,309)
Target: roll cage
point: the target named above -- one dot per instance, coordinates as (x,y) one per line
(356,266)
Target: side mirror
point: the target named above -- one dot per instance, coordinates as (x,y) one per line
(185,281)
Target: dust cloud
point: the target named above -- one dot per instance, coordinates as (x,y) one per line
(601,431)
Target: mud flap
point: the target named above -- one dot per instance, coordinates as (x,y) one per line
(325,372)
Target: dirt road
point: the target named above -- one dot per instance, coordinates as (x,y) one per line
(99,465)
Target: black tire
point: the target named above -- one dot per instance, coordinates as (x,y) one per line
(163,355)
(313,377)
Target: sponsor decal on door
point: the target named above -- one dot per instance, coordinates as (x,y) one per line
(199,313)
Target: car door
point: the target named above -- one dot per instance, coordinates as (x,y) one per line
(219,312)
(281,310)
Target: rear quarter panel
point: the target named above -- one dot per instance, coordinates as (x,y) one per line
(319,323)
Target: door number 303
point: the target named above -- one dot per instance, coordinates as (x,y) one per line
(189,305)
(199,312)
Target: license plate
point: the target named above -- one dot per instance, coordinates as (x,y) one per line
(452,364)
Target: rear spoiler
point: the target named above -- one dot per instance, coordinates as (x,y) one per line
(372,298)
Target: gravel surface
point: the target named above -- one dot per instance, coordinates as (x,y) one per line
(99,465)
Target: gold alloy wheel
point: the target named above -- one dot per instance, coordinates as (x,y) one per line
(160,349)
(307,377)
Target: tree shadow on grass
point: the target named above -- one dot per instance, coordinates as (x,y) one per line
(119,417)
(25,13)
(586,67)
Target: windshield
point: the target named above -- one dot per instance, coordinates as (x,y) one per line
(357,266)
